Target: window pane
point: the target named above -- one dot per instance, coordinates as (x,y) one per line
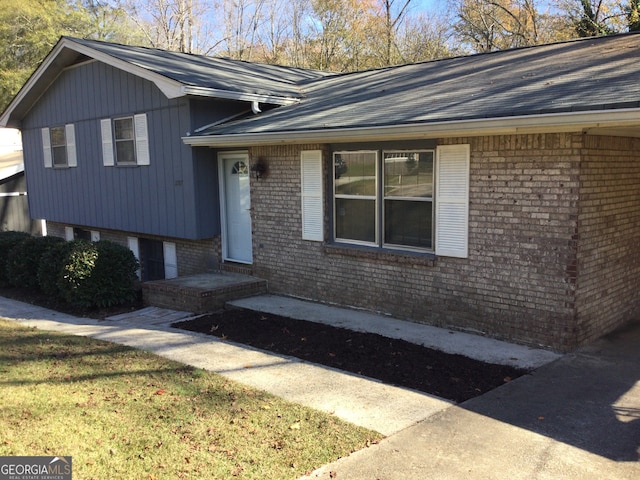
(408,174)
(125,152)
(355,173)
(123,128)
(408,223)
(59,155)
(356,219)
(57,137)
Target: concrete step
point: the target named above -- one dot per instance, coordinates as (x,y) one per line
(201,293)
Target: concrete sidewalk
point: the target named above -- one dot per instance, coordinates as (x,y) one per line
(365,402)
(575,417)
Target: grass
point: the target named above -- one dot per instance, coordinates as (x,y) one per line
(122,413)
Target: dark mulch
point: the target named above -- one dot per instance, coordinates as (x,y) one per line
(36,297)
(391,361)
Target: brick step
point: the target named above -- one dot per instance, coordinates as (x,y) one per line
(201,293)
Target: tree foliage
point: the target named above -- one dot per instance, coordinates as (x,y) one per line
(337,35)
(30,29)
(632,13)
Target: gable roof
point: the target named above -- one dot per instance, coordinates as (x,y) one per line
(586,83)
(175,74)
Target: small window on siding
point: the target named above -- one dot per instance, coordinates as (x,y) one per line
(59,146)
(125,141)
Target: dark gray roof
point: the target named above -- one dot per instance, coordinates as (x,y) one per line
(584,75)
(208,72)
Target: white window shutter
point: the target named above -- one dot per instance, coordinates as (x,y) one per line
(312,195)
(46,148)
(170,260)
(68,234)
(142,139)
(452,201)
(107,143)
(70,136)
(134,246)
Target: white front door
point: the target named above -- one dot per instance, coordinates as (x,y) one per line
(236,208)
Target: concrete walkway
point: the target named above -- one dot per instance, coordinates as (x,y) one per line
(575,417)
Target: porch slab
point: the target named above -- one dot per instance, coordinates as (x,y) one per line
(201,293)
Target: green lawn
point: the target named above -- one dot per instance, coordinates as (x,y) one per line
(126,414)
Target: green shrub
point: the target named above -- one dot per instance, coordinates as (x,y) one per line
(25,258)
(51,268)
(100,274)
(8,240)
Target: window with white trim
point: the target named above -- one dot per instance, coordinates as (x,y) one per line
(125,141)
(59,146)
(388,199)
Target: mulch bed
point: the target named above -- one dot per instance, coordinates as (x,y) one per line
(395,362)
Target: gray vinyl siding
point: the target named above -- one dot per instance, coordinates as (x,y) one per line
(176,196)
(14,210)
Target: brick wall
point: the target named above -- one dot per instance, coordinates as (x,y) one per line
(609,236)
(514,285)
(194,256)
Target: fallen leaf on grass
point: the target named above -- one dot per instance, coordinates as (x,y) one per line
(295,426)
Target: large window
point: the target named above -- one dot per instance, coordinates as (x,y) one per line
(384,198)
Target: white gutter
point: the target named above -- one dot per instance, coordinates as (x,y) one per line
(244,97)
(546,123)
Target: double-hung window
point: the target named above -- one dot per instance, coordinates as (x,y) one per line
(125,141)
(384,198)
(413,200)
(59,146)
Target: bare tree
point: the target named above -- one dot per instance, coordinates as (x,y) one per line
(426,36)
(589,18)
(499,24)
(179,25)
(241,24)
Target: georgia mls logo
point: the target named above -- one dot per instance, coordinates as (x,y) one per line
(35,468)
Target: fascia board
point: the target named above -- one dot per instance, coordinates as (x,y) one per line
(48,68)
(548,123)
(241,96)
(170,88)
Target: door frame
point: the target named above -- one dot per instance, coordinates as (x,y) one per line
(222,156)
